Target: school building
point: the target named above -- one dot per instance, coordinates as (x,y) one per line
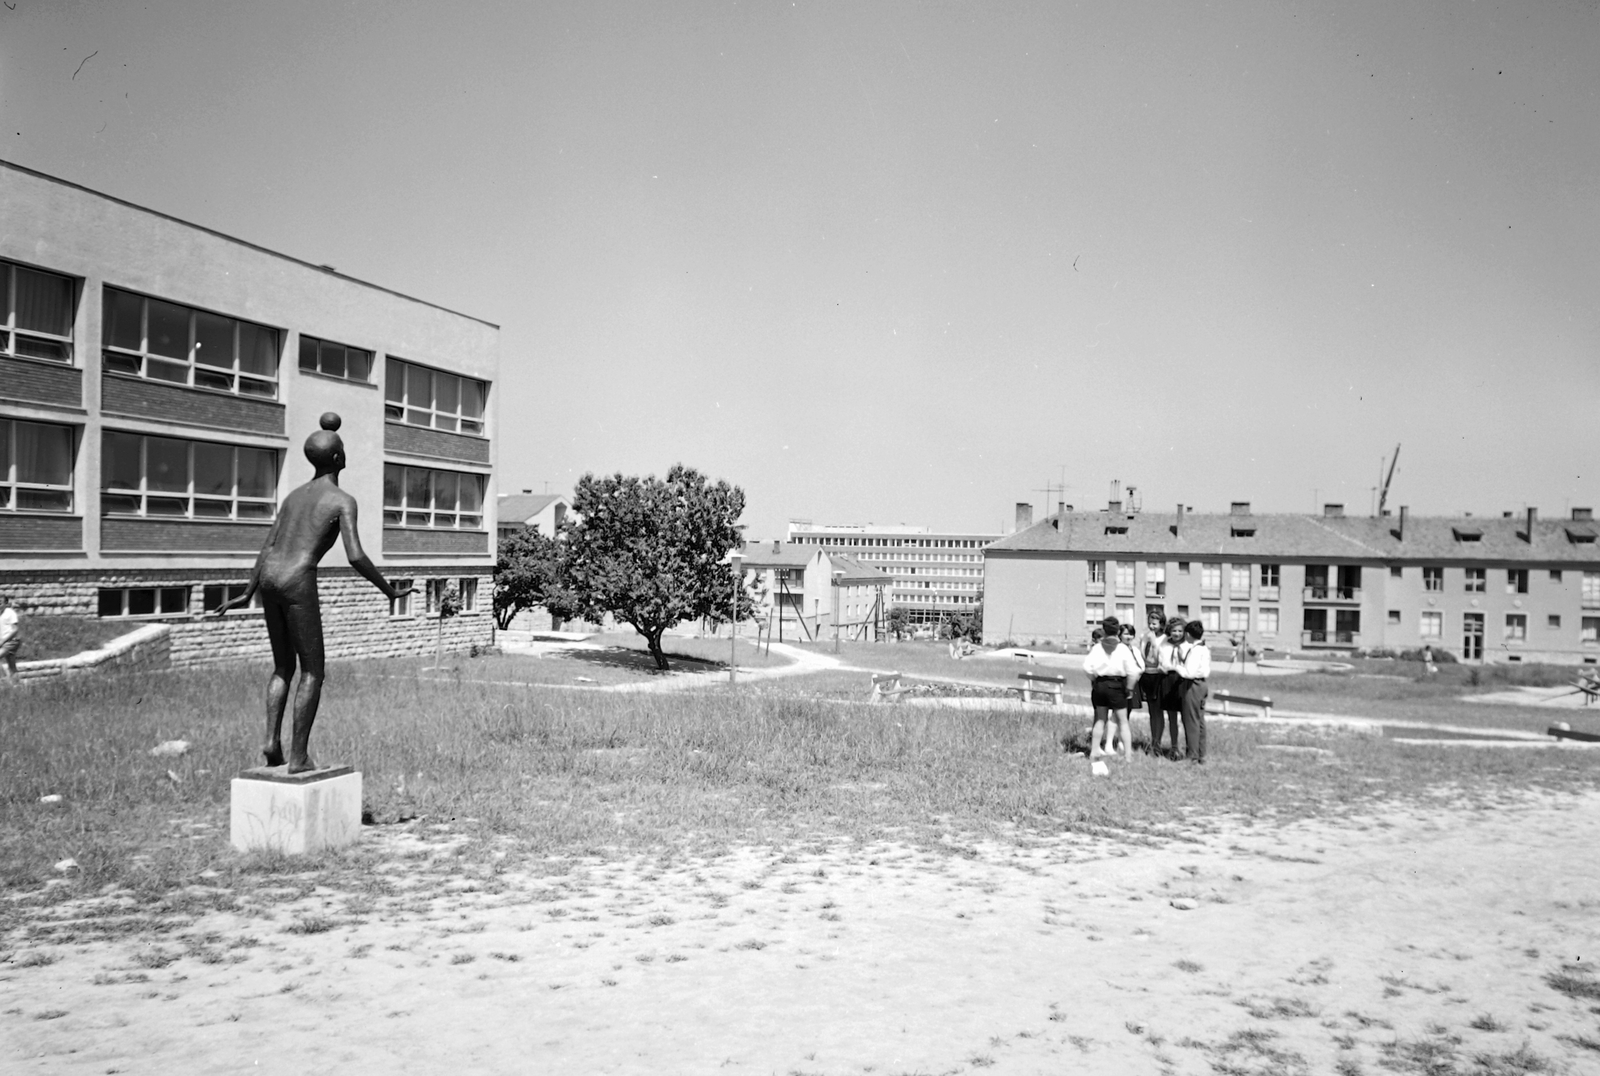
(1511,588)
(935,574)
(158,380)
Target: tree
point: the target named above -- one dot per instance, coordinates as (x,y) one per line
(528,573)
(652,552)
(898,622)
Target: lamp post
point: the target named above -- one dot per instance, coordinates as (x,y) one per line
(737,560)
(838,581)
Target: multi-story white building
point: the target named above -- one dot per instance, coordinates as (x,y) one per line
(937,574)
(157,383)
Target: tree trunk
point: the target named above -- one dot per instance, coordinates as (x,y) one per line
(653,641)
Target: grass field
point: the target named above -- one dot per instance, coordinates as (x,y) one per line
(604,660)
(46,637)
(568,773)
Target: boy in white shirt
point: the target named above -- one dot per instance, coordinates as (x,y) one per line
(1194,666)
(1113,670)
(10,637)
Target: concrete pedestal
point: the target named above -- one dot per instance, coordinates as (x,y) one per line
(276,811)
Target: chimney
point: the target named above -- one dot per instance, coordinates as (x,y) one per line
(1505,515)
(1061,508)
(1405,510)
(1024,516)
(1533,514)
(1333,511)
(1582,515)
(777,546)
(1177,526)
(1240,508)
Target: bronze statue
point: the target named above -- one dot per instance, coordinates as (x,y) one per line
(285,575)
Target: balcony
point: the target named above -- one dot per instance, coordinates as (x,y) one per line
(1351,595)
(1328,638)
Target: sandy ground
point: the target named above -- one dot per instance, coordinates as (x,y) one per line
(1559,697)
(1271,950)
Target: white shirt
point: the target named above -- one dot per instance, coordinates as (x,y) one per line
(1167,655)
(1121,662)
(8,623)
(1196,661)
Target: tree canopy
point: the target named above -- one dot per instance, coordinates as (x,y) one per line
(528,573)
(652,552)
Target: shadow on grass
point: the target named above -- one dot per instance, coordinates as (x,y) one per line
(640,661)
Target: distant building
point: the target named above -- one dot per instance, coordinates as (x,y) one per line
(158,380)
(935,574)
(795,592)
(1514,588)
(541,511)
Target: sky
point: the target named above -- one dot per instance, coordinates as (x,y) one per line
(915,262)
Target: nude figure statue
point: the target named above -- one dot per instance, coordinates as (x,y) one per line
(285,575)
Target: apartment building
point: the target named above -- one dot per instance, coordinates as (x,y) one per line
(1510,588)
(158,380)
(935,574)
(802,591)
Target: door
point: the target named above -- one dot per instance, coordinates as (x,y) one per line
(1472,637)
(1317,582)
(1349,581)
(1315,626)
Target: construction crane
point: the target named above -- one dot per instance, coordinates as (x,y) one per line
(1383,494)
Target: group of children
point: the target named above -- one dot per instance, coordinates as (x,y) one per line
(1164,670)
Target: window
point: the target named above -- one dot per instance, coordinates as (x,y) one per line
(1210,580)
(1477,580)
(1239,581)
(1155,579)
(143,475)
(436,591)
(1124,577)
(335,360)
(1269,582)
(1394,616)
(1589,631)
(213,595)
(35,466)
(1238,618)
(144,601)
(1125,613)
(36,310)
(1094,612)
(419,396)
(1211,617)
(401,606)
(1183,567)
(1097,577)
(1432,626)
(1517,581)
(424,497)
(1516,627)
(163,341)
(1552,621)
(1555,575)
(1591,588)
(1183,611)
(1433,579)
(1267,621)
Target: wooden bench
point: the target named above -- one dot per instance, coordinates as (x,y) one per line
(886,687)
(1221,702)
(1054,686)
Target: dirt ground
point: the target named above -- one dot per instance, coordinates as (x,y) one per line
(1392,942)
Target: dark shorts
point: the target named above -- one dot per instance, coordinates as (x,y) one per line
(1171,692)
(1110,692)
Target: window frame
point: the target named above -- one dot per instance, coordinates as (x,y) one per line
(1124,577)
(1516,580)
(403,515)
(1239,580)
(1211,581)
(266,507)
(158,594)
(319,344)
(9,331)
(1516,628)
(401,408)
(1477,580)
(401,606)
(1264,615)
(12,487)
(1433,579)
(116,358)
(1437,617)
(1094,612)
(1155,579)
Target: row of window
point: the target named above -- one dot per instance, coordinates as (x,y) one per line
(1345,584)
(890,543)
(160,340)
(175,478)
(173,601)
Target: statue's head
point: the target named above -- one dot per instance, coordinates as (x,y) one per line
(325,449)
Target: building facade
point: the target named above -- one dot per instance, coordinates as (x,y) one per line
(936,575)
(157,383)
(802,592)
(1512,588)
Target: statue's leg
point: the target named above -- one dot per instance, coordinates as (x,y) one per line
(282,674)
(305,617)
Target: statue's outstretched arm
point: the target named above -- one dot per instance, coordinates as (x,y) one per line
(358,558)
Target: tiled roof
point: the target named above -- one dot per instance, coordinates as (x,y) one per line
(519,507)
(787,555)
(858,574)
(1304,537)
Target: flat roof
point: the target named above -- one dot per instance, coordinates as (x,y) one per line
(242,242)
